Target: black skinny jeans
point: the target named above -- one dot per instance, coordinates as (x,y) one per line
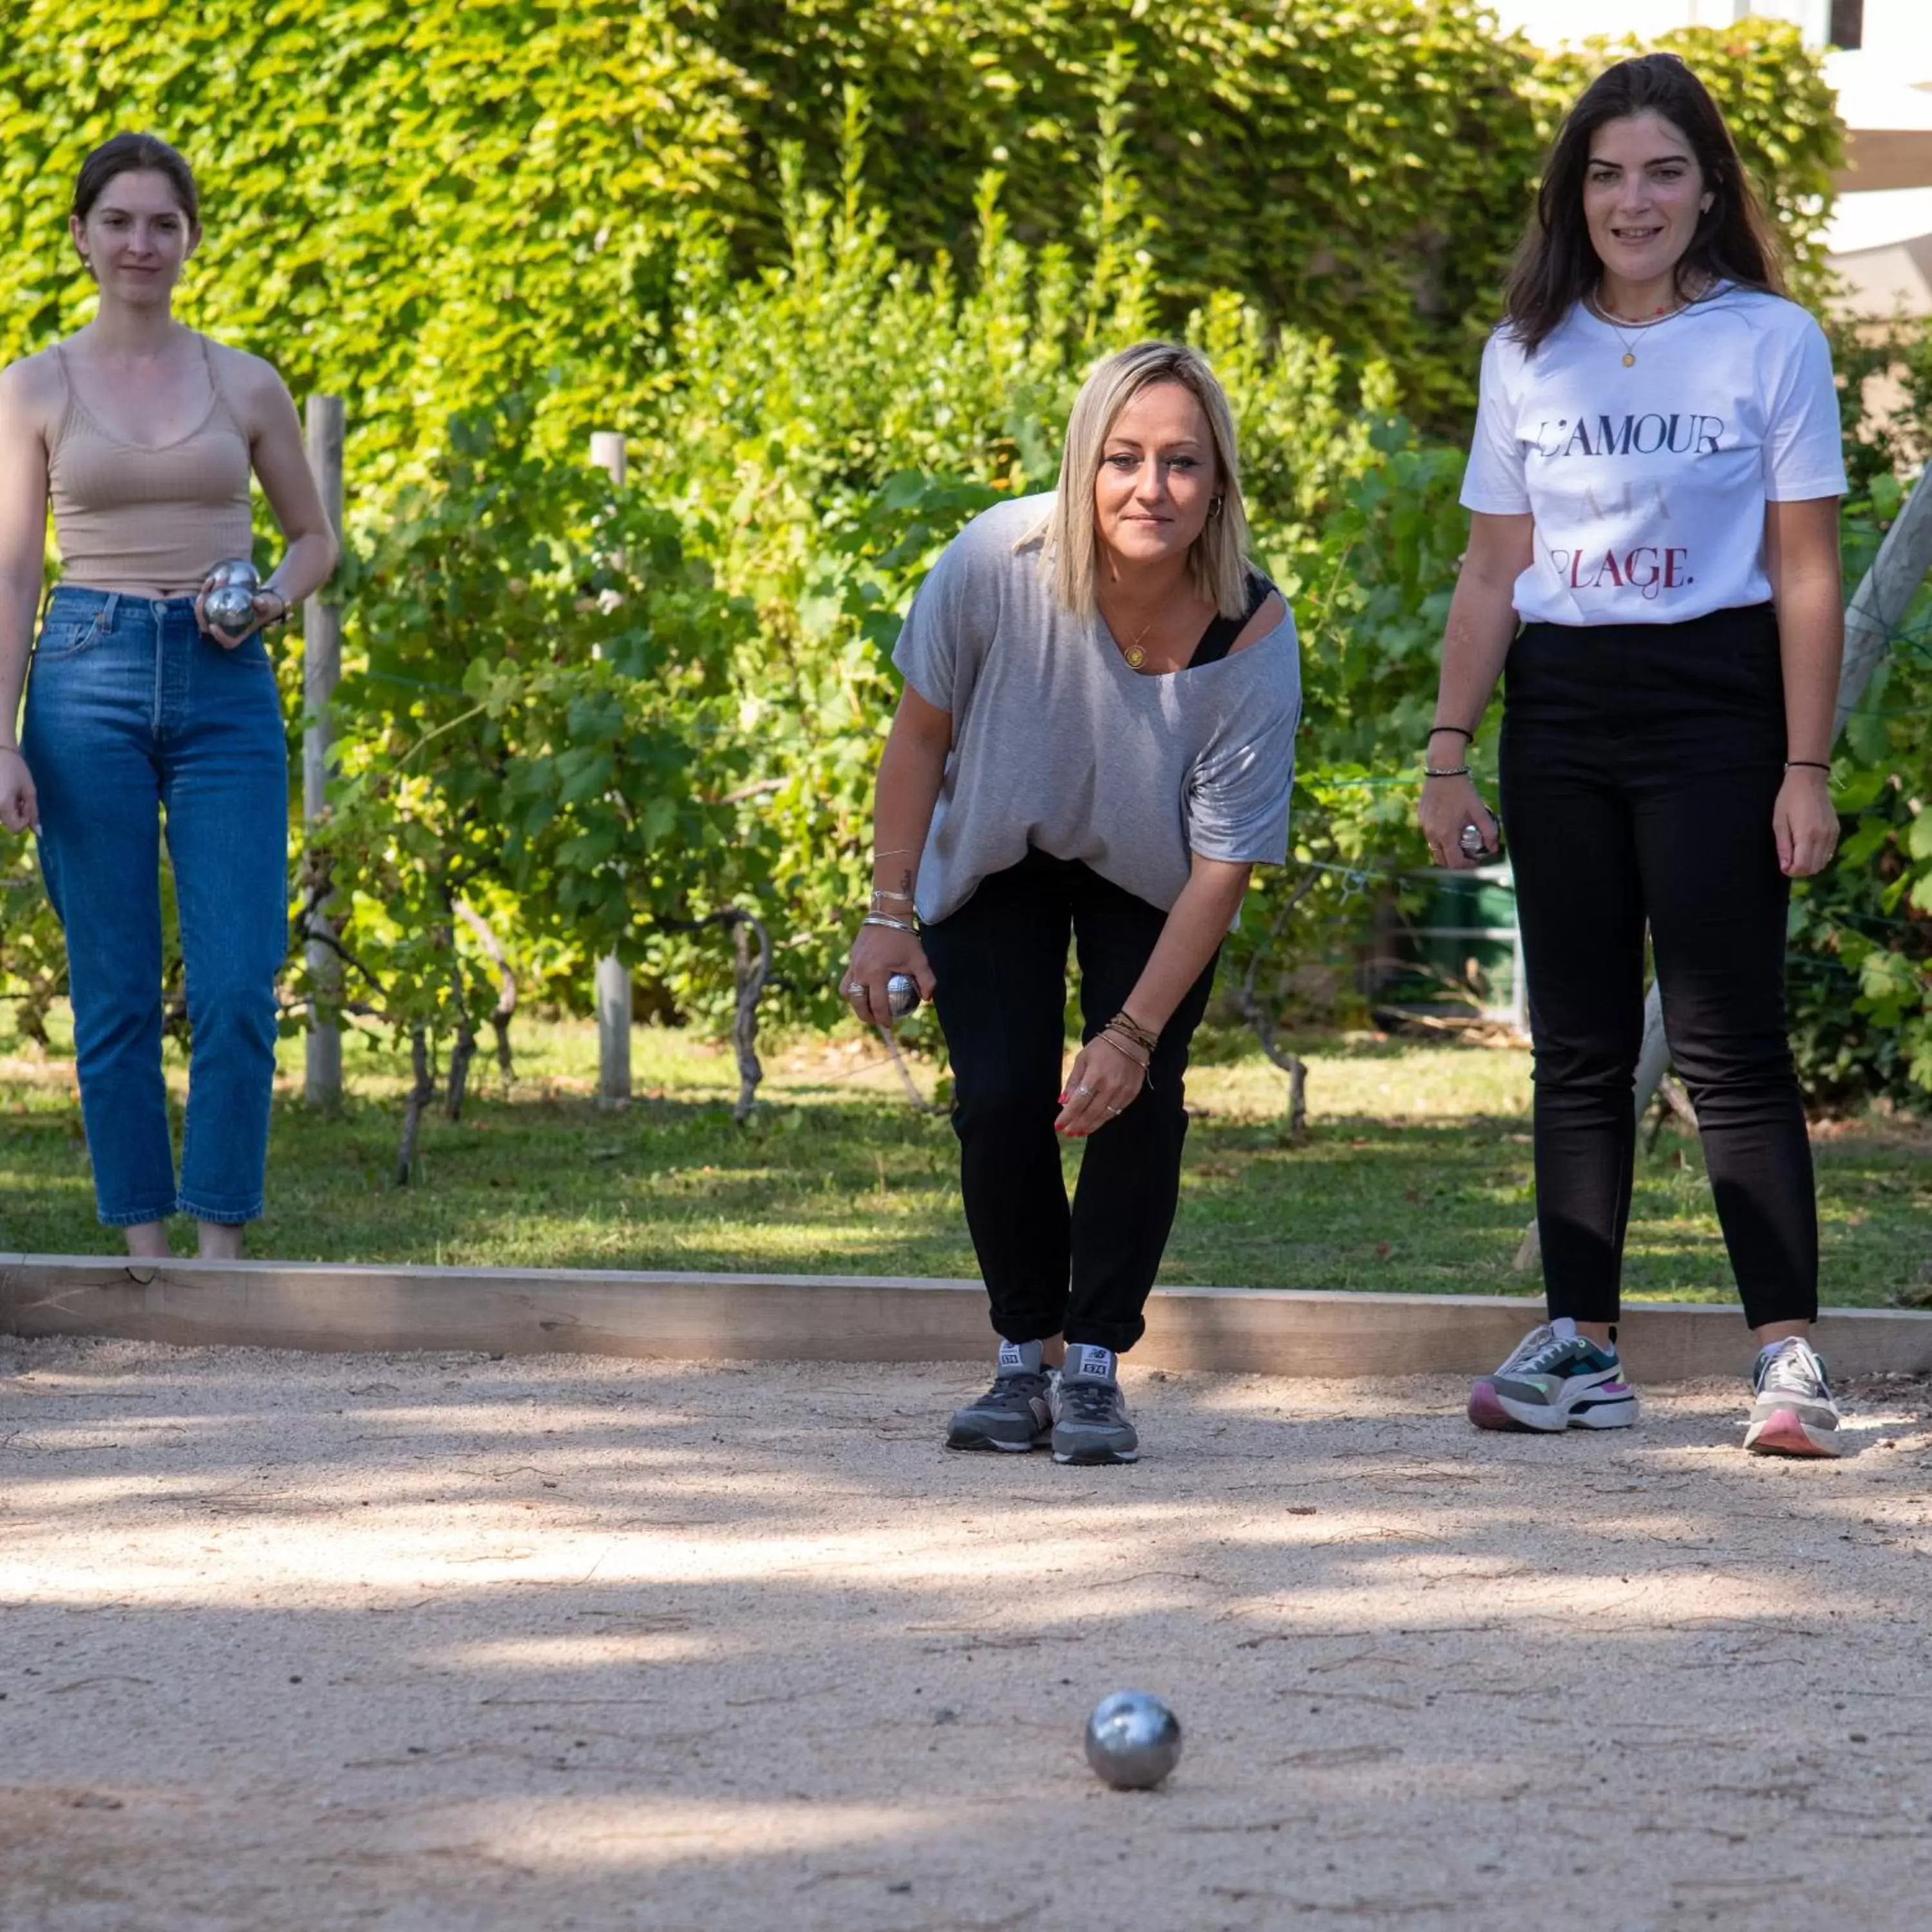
(1000,961)
(1639,765)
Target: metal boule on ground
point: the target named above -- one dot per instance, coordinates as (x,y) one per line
(1133,1740)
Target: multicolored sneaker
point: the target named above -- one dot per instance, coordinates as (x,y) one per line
(1089,1414)
(1795,1413)
(1484,1410)
(1015,1414)
(1554,1379)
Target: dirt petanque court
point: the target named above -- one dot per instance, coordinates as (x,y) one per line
(296,1641)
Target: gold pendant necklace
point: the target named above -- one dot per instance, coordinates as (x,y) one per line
(1131,651)
(1609,320)
(1134,651)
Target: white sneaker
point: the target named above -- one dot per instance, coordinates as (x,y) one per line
(1795,1413)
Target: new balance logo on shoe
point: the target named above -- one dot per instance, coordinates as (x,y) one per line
(1097,1363)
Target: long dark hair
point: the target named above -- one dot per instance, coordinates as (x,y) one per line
(135,153)
(1556,267)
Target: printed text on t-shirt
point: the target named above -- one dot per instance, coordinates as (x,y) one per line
(1649,567)
(1681,435)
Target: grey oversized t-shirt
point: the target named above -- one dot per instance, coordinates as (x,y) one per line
(1057,744)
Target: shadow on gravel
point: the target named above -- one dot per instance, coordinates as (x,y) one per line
(419,1642)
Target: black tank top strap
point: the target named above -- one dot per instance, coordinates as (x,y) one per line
(1219,637)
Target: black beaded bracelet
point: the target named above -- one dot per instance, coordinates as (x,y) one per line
(1805,765)
(1467,737)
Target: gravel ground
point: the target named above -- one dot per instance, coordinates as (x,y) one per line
(405,1642)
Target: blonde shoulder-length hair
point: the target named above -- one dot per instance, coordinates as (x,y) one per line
(1069,545)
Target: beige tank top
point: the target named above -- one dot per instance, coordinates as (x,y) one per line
(151,522)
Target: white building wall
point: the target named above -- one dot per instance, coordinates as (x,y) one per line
(1899,33)
(1552,22)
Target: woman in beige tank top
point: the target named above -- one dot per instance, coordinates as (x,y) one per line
(143,436)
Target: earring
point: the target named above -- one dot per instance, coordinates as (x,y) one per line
(1214,508)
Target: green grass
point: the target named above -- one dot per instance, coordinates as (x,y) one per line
(1417,1176)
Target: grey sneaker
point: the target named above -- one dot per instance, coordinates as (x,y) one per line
(1089,1414)
(1794,1413)
(1013,1413)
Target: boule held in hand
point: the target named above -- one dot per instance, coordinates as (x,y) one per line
(1475,845)
(235,603)
(228,597)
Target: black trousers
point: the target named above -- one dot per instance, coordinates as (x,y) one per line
(1083,1270)
(1639,766)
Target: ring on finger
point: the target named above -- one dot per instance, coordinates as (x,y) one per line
(1116,1110)
(1085,1091)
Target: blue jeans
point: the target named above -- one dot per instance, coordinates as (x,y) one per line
(132,712)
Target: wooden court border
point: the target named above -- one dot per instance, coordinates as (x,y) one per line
(705,1316)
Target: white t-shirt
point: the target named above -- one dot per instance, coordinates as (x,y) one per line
(1648,484)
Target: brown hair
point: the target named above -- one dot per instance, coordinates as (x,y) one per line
(135,153)
(1556,266)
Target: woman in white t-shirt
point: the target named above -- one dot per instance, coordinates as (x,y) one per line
(1654,555)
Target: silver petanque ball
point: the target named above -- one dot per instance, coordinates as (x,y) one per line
(229,605)
(1473,842)
(1133,1741)
(902,994)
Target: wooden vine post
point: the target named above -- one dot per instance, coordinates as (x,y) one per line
(321,670)
(613,977)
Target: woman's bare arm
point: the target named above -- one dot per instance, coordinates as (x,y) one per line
(280,460)
(1105,1081)
(1801,542)
(1197,922)
(23,538)
(1475,641)
(911,770)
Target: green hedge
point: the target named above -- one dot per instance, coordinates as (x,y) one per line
(428,206)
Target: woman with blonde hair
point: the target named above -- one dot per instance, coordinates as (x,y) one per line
(1096,742)
(143,435)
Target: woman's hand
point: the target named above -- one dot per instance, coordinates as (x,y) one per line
(1103,1085)
(1448,806)
(208,630)
(1805,822)
(877,953)
(270,607)
(19,804)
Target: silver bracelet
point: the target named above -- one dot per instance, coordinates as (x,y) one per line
(886,919)
(1445,772)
